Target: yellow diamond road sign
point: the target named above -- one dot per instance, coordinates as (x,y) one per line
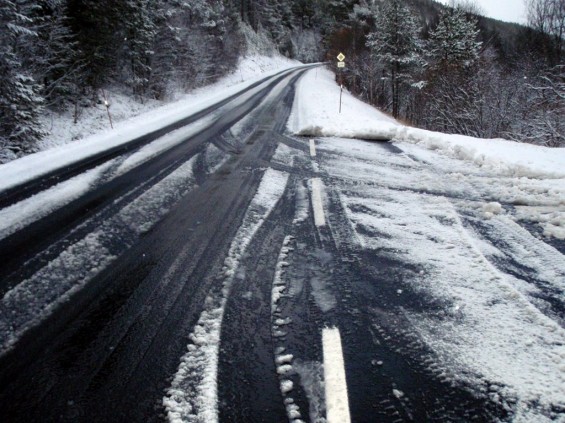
(340,57)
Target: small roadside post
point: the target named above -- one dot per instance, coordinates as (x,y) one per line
(340,65)
(107,104)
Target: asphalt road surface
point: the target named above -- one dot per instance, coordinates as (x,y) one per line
(235,244)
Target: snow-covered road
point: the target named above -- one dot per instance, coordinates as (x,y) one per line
(295,274)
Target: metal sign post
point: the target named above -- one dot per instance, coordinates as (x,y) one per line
(340,65)
(340,93)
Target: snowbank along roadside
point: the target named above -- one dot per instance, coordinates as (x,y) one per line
(59,150)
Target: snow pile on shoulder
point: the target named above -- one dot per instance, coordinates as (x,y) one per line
(253,67)
(316,111)
(316,114)
(507,157)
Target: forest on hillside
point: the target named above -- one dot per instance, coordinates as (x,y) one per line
(455,71)
(441,68)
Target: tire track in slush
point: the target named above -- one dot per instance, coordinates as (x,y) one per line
(193,394)
(21,246)
(390,372)
(302,366)
(204,379)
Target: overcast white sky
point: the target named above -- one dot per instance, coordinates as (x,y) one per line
(504,10)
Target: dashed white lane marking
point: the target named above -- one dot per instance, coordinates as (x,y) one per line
(337,403)
(317,204)
(312,148)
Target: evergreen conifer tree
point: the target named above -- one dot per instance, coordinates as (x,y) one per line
(140,31)
(454,96)
(99,28)
(396,44)
(20,101)
(54,56)
(454,40)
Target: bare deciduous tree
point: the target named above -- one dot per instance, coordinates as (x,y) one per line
(548,17)
(468,6)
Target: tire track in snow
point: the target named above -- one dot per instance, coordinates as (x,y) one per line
(279,327)
(534,267)
(193,395)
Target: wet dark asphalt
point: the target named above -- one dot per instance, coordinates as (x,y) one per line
(362,301)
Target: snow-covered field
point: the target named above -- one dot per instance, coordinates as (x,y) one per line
(457,208)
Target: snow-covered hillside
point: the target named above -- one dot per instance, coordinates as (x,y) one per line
(131,115)
(94,120)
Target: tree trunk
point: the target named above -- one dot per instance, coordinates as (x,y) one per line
(395,94)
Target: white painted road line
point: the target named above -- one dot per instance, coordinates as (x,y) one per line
(317,204)
(312,148)
(337,402)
